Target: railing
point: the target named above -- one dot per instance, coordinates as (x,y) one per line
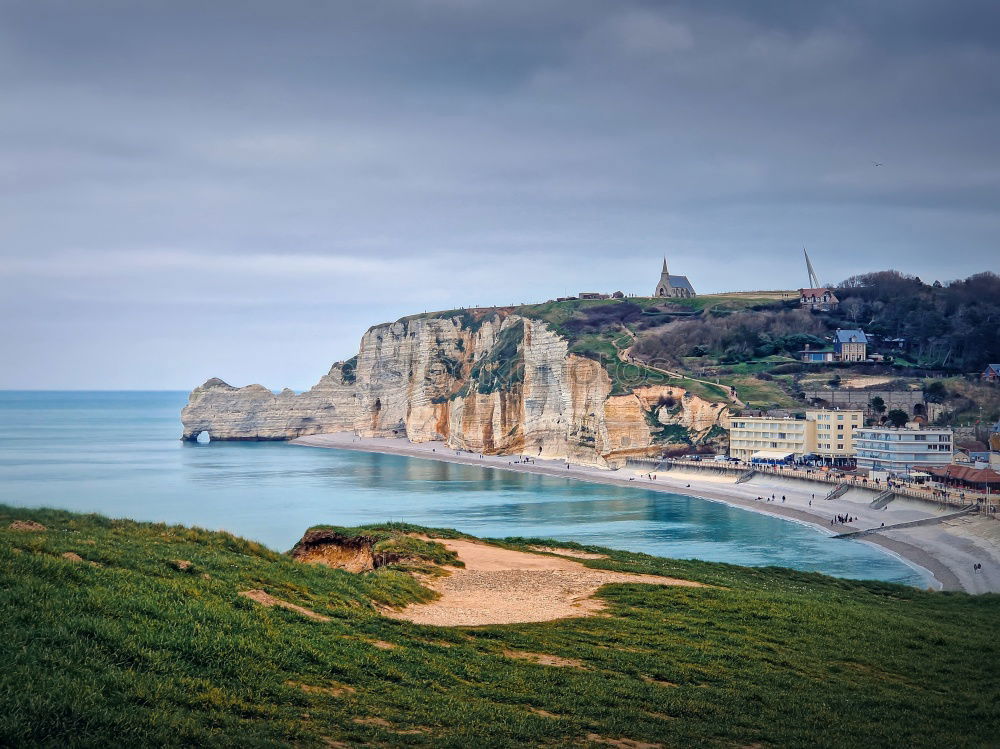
(989,503)
(746,476)
(883,499)
(838,491)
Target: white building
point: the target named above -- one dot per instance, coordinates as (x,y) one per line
(902,451)
(828,433)
(769,439)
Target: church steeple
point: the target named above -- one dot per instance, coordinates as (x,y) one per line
(673,286)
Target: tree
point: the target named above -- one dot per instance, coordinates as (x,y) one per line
(935,392)
(877,405)
(898,417)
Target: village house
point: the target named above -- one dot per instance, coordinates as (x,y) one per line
(850,345)
(818,300)
(815,356)
(992,373)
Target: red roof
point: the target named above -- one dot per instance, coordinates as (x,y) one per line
(815,292)
(965,473)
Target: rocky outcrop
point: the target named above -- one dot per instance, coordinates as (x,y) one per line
(255,413)
(491,382)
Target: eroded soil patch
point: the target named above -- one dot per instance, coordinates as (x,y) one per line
(622,743)
(502,586)
(575,553)
(27,526)
(544,659)
(334,690)
(265,599)
(354,554)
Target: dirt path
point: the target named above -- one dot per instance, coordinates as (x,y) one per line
(625,355)
(500,586)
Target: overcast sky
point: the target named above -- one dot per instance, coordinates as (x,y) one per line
(239,189)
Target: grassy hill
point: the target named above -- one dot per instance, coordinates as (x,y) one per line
(121,633)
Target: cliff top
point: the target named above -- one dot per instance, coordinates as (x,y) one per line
(160,635)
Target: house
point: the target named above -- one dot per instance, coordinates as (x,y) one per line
(813,356)
(818,300)
(992,373)
(593,295)
(850,345)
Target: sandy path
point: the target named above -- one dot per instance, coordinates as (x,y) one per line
(501,586)
(946,552)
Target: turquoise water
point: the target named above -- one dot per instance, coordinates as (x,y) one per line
(118,453)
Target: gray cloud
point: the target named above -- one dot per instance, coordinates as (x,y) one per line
(240,189)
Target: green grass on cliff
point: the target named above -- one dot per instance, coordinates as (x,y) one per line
(142,648)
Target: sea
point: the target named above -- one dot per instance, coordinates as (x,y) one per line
(119,454)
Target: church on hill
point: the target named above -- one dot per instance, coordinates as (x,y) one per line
(673,286)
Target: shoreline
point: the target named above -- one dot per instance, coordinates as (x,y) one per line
(945,557)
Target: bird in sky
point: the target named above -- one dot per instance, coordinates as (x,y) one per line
(878,163)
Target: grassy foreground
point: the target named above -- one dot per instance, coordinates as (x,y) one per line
(145,640)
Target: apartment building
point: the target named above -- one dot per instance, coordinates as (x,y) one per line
(901,452)
(827,433)
(834,440)
(770,438)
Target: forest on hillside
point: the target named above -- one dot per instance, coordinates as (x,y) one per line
(953,326)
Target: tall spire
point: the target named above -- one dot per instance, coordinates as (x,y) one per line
(665,272)
(813,280)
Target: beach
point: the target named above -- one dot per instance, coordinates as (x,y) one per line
(947,550)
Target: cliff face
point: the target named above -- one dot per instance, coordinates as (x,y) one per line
(255,413)
(495,384)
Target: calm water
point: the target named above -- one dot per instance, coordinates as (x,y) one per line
(118,453)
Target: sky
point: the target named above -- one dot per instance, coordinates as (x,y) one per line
(240,189)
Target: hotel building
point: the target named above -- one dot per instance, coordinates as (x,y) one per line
(827,433)
(902,451)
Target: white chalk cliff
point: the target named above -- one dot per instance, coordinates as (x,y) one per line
(492,383)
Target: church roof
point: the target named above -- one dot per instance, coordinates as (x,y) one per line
(681,282)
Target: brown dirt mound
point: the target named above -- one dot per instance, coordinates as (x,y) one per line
(331,549)
(26,525)
(350,553)
(501,586)
(265,599)
(71,556)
